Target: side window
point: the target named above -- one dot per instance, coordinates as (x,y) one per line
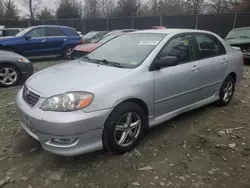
(208,46)
(71,32)
(180,47)
(38,32)
(53,31)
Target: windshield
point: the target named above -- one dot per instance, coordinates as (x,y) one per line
(128,50)
(108,38)
(23,32)
(89,35)
(241,33)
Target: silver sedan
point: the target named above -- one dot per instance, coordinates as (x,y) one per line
(134,82)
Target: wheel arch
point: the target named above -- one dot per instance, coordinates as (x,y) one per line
(234,76)
(13,65)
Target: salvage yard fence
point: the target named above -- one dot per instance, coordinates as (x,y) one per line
(218,23)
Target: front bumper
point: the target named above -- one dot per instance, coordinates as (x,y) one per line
(27,70)
(84,129)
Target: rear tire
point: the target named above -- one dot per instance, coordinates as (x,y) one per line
(67,53)
(226,91)
(124,127)
(9,75)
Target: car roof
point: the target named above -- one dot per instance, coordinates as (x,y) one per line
(10,28)
(172,31)
(57,26)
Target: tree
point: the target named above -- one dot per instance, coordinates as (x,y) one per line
(220,6)
(45,14)
(127,7)
(2,8)
(68,9)
(11,10)
(194,6)
(32,5)
(107,8)
(241,5)
(92,8)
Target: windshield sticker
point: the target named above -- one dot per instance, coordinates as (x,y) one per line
(149,42)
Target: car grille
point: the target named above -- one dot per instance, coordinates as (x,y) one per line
(30,97)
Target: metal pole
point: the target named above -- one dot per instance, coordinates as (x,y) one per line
(107,23)
(85,29)
(235,19)
(132,22)
(82,26)
(197,20)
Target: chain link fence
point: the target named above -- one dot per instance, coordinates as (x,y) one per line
(218,23)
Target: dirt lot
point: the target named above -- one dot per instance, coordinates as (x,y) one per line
(196,150)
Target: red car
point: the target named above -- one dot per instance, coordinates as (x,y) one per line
(83,49)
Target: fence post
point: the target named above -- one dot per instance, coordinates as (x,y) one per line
(57,22)
(82,27)
(29,22)
(132,22)
(85,29)
(107,23)
(161,18)
(235,19)
(197,20)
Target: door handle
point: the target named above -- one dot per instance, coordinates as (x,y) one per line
(224,61)
(43,40)
(64,40)
(195,68)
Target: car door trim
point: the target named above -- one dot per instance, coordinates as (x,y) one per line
(213,83)
(177,95)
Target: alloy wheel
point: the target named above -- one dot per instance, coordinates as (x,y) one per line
(228,91)
(127,129)
(8,76)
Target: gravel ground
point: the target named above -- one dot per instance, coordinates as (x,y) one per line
(208,147)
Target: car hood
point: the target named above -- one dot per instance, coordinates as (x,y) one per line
(238,41)
(72,76)
(3,39)
(8,55)
(87,47)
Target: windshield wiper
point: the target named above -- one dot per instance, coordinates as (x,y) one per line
(106,62)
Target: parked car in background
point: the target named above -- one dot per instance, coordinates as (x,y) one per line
(93,36)
(13,68)
(83,49)
(6,32)
(240,37)
(42,41)
(159,27)
(129,84)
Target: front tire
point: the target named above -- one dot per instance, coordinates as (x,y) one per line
(226,91)
(124,127)
(9,75)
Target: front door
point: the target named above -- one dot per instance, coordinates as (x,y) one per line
(213,64)
(34,43)
(177,86)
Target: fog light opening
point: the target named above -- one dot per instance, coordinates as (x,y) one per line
(63,140)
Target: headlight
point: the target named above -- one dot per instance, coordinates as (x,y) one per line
(68,102)
(23,60)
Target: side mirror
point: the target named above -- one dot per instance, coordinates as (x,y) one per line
(27,37)
(167,61)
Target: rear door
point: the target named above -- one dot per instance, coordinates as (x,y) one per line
(34,43)
(213,63)
(55,40)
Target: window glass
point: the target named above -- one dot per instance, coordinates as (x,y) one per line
(38,32)
(129,50)
(180,47)
(208,46)
(239,33)
(71,32)
(11,32)
(1,33)
(53,31)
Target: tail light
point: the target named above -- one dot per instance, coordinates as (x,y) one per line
(81,41)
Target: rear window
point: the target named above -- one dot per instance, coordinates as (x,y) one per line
(241,33)
(71,32)
(53,31)
(90,35)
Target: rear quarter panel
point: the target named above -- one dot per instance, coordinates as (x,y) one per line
(73,38)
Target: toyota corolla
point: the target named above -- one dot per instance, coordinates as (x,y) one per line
(134,82)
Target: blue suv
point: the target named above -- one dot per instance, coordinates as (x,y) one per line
(43,40)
